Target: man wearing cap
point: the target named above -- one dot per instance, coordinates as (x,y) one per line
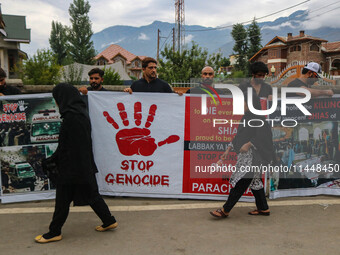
(308,77)
(5,89)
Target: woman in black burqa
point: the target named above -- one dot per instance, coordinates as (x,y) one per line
(254,146)
(76,179)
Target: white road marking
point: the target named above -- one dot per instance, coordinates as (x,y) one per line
(137,208)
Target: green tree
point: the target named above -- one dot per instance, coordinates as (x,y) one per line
(134,78)
(181,66)
(172,67)
(225,62)
(254,39)
(58,41)
(111,77)
(216,60)
(81,47)
(238,74)
(239,34)
(41,69)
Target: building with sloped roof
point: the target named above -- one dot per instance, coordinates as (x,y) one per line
(282,51)
(332,54)
(13,32)
(115,53)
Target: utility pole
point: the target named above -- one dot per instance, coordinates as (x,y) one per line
(173,39)
(179,20)
(158,38)
(178,25)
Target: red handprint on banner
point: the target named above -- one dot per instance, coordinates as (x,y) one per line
(137,141)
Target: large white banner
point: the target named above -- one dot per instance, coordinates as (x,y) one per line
(151,145)
(138,142)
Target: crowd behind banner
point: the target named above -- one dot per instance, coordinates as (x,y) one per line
(178,134)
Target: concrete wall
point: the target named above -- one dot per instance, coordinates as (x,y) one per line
(33,89)
(118,67)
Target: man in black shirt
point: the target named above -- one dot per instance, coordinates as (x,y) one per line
(6,90)
(96,81)
(149,82)
(258,71)
(308,77)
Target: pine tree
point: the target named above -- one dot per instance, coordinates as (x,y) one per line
(58,41)
(81,47)
(239,34)
(254,39)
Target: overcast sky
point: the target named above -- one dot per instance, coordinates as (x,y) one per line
(105,13)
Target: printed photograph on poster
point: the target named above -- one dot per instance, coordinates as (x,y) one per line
(28,121)
(21,169)
(310,152)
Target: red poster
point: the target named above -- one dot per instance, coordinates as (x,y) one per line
(206,138)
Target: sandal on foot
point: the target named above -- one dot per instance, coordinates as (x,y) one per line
(219,214)
(41,239)
(259,212)
(102,229)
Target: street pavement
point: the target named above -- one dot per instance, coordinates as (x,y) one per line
(308,225)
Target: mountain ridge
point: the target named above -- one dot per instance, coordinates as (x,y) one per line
(142,41)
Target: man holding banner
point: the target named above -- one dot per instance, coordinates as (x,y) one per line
(149,82)
(96,81)
(309,76)
(207,75)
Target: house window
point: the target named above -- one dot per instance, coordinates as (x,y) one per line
(295,48)
(137,64)
(314,47)
(336,64)
(11,64)
(101,62)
